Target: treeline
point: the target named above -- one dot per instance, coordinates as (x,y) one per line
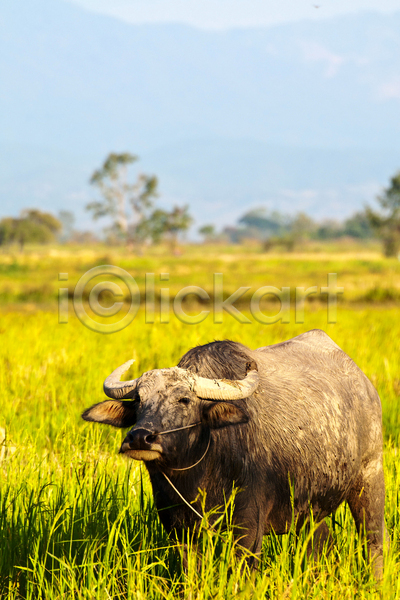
(271,229)
(274,228)
(31,227)
(135,221)
(36,227)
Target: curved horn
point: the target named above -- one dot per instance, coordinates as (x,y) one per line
(115,388)
(226,389)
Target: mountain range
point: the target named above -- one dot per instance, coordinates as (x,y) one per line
(302,116)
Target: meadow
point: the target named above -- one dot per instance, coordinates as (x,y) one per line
(32,278)
(77,520)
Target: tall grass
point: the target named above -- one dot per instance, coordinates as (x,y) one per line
(77,521)
(89,530)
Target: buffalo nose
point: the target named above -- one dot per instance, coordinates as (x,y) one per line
(140,439)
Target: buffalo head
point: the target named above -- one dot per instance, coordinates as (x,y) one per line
(163,402)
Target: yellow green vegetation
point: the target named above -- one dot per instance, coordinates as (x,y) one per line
(365,275)
(77,520)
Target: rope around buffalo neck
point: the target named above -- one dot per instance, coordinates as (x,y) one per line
(199,461)
(186,468)
(180,429)
(181,497)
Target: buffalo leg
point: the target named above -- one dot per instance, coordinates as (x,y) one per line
(367,504)
(250,537)
(251,542)
(320,537)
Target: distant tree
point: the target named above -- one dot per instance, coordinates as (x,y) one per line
(232,234)
(125,203)
(153,227)
(67,220)
(274,228)
(7,226)
(358,226)
(297,231)
(208,232)
(265,223)
(33,226)
(162,224)
(46,221)
(329,229)
(302,227)
(386,223)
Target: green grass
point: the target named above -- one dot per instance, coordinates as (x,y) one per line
(77,520)
(366,276)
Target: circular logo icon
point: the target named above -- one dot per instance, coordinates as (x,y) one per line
(103,311)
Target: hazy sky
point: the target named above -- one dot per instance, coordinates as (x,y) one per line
(223,14)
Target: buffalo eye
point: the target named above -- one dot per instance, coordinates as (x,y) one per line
(184,400)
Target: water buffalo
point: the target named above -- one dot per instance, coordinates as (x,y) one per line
(299,411)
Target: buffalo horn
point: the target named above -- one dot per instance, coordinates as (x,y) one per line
(115,388)
(226,389)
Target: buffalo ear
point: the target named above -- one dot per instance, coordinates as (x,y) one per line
(112,412)
(221,414)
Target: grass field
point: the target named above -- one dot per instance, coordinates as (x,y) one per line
(77,520)
(365,275)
